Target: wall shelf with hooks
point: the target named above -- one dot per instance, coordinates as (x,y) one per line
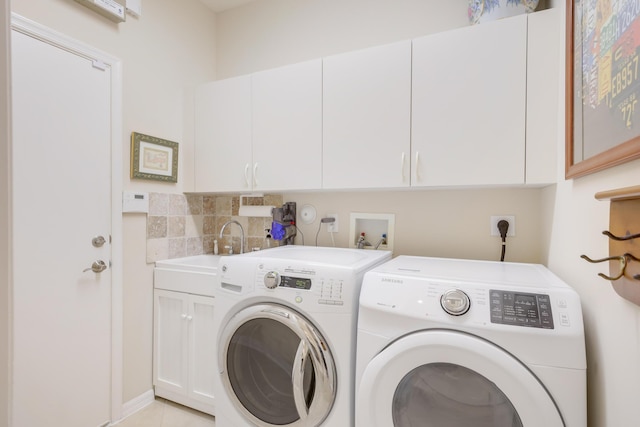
(624,241)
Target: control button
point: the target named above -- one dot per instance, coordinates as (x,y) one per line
(271,280)
(455,302)
(564,319)
(298,300)
(562,303)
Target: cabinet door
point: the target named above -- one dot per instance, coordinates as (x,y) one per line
(543,89)
(170,341)
(223,135)
(287,127)
(366,118)
(202,349)
(468,115)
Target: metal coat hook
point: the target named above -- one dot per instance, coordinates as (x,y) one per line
(623,265)
(621,258)
(621,239)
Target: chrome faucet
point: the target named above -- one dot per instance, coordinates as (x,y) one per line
(241,233)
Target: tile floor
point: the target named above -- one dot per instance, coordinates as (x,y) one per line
(164,413)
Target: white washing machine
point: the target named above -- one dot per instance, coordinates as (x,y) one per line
(286,321)
(445,342)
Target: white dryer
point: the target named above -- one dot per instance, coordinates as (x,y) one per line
(286,321)
(445,342)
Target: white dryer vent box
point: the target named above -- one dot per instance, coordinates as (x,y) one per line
(135,202)
(115,10)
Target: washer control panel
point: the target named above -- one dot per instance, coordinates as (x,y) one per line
(308,283)
(521,309)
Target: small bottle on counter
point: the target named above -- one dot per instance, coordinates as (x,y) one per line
(215,247)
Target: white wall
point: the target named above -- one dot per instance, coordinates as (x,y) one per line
(443,223)
(612,324)
(165,54)
(267,34)
(555,225)
(5,221)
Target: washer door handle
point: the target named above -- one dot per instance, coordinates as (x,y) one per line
(297,380)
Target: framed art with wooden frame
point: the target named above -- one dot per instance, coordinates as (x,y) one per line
(602,85)
(153,158)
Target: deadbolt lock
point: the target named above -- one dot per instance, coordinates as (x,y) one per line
(98,241)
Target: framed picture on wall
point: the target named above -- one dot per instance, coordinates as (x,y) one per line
(602,84)
(153,158)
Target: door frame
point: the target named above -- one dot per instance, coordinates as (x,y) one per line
(6,324)
(54,38)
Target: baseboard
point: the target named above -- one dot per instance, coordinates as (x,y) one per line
(137,403)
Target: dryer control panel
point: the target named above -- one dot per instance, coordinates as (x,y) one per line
(521,309)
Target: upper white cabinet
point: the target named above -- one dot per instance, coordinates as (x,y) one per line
(223,135)
(475,106)
(261,132)
(366,118)
(468,105)
(287,127)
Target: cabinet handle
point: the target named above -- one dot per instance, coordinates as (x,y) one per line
(402,159)
(255,174)
(417,166)
(246,174)
(184,316)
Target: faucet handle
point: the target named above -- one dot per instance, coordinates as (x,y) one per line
(229,249)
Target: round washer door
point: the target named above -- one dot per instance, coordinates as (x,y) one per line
(448,378)
(276,367)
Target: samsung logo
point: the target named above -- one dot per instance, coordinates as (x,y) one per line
(387,280)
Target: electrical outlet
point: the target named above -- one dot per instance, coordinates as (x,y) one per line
(332,227)
(511,219)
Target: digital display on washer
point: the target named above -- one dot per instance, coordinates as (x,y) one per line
(295,282)
(521,309)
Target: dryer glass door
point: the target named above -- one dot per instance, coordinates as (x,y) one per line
(277,368)
(449,378)
(446,394)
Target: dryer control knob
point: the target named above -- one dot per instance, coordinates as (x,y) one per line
(271,280)
(455,302)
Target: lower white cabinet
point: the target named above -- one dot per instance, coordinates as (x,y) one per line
(184,349)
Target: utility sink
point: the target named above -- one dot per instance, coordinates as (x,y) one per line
(200,263)
(195,274)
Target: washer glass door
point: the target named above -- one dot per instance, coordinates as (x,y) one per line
(277,368)
(449,378)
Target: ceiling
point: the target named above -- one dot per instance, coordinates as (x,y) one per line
(222,5)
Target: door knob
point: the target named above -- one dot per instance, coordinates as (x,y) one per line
(97,267)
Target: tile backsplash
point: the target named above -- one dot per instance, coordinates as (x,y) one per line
(180,225)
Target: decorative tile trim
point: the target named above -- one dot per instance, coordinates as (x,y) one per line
(180,225)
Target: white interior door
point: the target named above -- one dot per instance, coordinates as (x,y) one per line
(61,200)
